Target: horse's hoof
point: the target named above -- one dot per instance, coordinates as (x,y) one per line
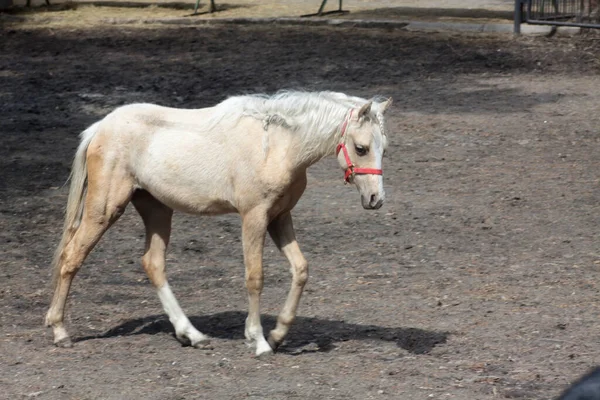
(274,345)
(263,350)
(184,340)
(265,354)
(203,344)
(65,343)
(196,339)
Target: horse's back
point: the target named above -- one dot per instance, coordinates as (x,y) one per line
(180,156)
(146,119)
(193,162)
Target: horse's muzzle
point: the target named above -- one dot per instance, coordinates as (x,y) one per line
(372,202)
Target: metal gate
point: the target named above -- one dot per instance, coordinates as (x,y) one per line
(582,13)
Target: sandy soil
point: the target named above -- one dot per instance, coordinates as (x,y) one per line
(478,279)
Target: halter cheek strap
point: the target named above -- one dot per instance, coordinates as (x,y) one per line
(351,170)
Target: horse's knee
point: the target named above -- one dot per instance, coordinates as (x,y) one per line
(254,283)
(301,273)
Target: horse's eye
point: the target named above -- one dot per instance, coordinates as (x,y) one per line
(361,150)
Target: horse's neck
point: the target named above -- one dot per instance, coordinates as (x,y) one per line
(309,144)
(317,145)
(315,150)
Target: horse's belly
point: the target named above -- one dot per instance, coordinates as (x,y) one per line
(189,201)
(190,189)
(186,172)
(201,206)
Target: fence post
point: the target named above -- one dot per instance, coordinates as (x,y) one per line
(518,16)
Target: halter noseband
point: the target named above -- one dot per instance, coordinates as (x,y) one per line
(351,170)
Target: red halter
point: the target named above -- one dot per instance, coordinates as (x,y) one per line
(351,170)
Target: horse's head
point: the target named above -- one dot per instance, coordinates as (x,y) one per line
(361,150)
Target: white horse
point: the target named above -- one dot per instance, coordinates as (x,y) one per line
(248,154)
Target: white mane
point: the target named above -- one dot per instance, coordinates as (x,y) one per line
(315,117)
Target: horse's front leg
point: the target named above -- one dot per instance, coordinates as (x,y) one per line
(282,231)
(254,228)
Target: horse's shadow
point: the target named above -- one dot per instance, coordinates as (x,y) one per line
(304,335)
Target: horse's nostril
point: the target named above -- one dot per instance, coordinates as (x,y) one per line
(371,202)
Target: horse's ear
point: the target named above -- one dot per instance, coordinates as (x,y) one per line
(386,104)
(364,110)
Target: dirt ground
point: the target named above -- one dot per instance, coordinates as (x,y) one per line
(86,12)
(478,279)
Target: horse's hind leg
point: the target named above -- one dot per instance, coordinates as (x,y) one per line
(106,199)
(157,219)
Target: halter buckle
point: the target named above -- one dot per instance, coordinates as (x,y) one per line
(349,174)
